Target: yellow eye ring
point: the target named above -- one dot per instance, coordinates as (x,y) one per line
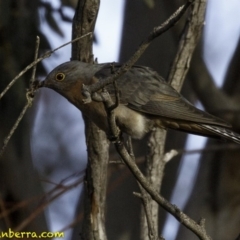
(60,77)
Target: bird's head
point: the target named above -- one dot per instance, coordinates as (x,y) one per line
(67,79)
(65,76)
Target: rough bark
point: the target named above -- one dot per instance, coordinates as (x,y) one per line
(97,143)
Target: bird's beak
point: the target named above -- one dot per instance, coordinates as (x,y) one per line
(37,84)
(45,83)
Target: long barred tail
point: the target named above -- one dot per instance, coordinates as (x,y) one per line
(223,132)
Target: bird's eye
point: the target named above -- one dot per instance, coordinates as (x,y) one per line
(60,77)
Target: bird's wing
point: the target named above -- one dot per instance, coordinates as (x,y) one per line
(143,90)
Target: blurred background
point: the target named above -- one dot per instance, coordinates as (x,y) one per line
(48,148)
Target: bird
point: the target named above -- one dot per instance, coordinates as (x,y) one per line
(146,101)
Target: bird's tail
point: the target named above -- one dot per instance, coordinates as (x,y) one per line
(222,132)
(207,130)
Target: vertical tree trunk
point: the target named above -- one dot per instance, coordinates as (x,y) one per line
(97,143)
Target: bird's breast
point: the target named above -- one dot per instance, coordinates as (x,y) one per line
(132,122)
(129,121)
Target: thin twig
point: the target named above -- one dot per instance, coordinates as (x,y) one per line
(35,58)
(157,31)
(29,96)
(17,206)
(176,212)
(45,55)
(151,232)
(146,201)
(157,158)
(43,197)
(198,229)
(30,91)
(129,161)
(40,208)
(170,155)
(6,140)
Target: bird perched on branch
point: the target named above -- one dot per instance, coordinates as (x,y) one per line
(145,101)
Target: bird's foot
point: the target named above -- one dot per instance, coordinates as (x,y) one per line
(86,93)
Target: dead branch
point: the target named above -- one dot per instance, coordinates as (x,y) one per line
(156,158)
(45,55)
(177,213)
(55,193)
(198,229)
(148,226)
(188,42)
(97,143)
(157,31)
(29,96)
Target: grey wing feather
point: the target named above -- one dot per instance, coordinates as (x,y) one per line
(143,90)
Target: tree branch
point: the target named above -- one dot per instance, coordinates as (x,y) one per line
(34,63)
(179,70)
(198,229)
(156,158)
(97,143)
(157,31)
(188,42)
(29,96)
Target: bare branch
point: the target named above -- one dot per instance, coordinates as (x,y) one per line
(6,140)
(183,218)
(154,173)
(97,143)
(187,45)
(44,197)
(148,226)
(157,31)
(45,55)
(149,229)
(198,229)
(35,59)
(157,159)
(29,96)
(42,206)
(170,155)
(32,88)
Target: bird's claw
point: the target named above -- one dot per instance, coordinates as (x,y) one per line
(86,94)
